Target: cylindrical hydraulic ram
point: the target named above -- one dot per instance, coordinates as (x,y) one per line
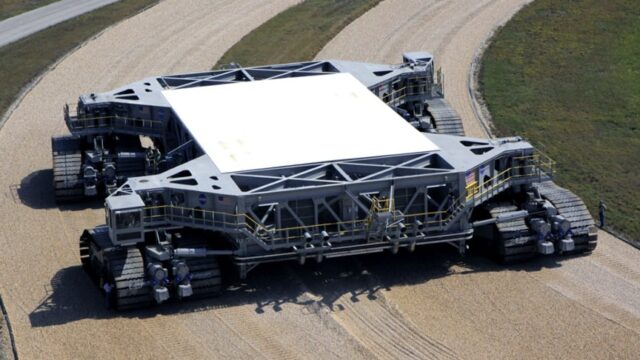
(502,218)
(419,225)
(199,275)
(199,252)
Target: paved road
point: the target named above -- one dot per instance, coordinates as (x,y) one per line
(25,24)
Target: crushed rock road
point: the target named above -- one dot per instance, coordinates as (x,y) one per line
(580,307)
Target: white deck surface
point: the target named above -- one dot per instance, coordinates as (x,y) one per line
(291,121)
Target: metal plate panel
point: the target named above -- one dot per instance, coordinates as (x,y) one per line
(283,122)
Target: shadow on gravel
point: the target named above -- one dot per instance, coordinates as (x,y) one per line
(36,192)
(73,296)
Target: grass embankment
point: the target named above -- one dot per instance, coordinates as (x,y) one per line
(9,8)
(23,60)
(566,74)
(296,34)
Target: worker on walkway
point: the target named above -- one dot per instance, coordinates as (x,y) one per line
(601,209)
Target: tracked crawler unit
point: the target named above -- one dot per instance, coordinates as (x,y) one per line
(301,162)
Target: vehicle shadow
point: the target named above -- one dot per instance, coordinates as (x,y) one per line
(269,287)
(36,191)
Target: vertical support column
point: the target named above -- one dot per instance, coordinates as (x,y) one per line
(242,241)
(242,271)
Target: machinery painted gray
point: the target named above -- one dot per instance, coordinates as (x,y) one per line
(179,213)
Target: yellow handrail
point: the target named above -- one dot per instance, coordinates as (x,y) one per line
(473,190)
(381,205)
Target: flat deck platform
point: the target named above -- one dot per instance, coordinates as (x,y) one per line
(292,121)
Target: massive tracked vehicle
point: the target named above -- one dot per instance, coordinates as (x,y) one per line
(295,162)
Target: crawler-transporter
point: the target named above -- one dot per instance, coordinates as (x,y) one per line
(303,161)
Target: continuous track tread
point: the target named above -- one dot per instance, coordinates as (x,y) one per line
(516,229)
(447,120)
(573,209)
(209,286)
(126,269)
(85,254)
(67,168)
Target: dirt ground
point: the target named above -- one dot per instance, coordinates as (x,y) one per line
(429,304)
(5,343)
(451,30)
(583,307)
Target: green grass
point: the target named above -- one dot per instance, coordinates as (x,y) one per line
(296,34)
(23,60)
(9,8)
(566,75)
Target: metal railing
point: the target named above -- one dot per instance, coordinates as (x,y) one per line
(395,97)
(479,192)
(475,193)
(381,205)
(537,165)
(163,215)
(171,214)
(75,122)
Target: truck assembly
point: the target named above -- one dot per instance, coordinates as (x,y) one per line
(300,161)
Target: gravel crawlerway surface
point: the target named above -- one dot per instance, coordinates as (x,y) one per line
(580,307)
(451,30)
(54,309)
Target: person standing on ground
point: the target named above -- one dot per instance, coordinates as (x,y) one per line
(601,209)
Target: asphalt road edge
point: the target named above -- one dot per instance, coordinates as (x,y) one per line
(36,79)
